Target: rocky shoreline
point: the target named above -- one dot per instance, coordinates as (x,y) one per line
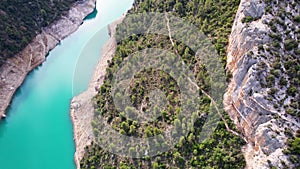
(82,110)
(14,71)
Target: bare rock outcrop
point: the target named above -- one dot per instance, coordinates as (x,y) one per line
(253,101)
(15,69)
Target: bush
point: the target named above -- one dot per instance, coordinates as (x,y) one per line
(283,82)
(270,80)
(276,44)
(247,19)
(292,91)
(291,111)
(297,18)
(272,91)
(290,44)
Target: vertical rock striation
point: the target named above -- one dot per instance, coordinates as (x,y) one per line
(260,117)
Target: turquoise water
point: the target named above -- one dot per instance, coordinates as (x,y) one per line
(37,133)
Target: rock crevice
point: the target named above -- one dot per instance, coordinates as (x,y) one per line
(250,59)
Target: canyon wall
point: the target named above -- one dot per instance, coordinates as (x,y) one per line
(15,69)
(255,103)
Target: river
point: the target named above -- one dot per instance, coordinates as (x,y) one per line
(38,134)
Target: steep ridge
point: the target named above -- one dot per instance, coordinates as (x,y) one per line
(15,69)
(263,95)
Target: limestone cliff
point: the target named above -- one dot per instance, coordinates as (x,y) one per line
(15,69)
(264,38)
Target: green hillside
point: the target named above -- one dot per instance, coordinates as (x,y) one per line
(222,149)
(22,20)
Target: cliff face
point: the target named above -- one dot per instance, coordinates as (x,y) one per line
(15,69)
(256,99)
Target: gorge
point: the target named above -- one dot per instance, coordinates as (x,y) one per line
(257,42)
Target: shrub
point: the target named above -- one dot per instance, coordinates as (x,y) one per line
(270,80)
(291,111)
(277,65)
(283,82)
(290,44)
(297,19)
(276,45)
(276,36)
(292,91)
(272,91)
(247,19)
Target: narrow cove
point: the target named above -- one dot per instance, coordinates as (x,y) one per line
(37,133)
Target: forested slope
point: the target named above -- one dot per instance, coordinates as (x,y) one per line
(22,20)
(223,148)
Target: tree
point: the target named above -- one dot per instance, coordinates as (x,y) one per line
(125,126)
(179,7)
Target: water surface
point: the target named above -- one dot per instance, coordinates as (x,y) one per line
(37,133)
